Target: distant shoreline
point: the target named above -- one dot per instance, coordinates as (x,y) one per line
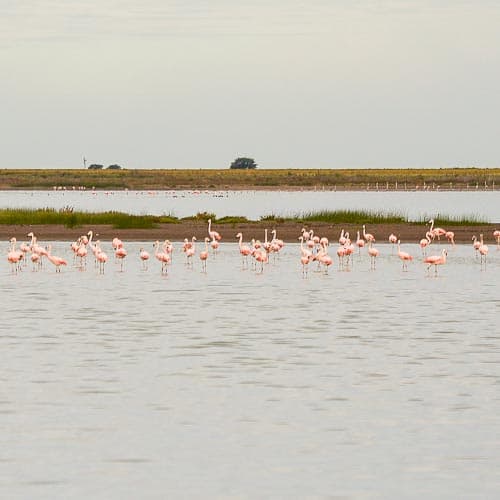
(287,231)
(446,179)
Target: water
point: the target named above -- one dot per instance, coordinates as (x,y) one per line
(255,204)
(234,384)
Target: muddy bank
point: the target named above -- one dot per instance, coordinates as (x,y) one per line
(287,231)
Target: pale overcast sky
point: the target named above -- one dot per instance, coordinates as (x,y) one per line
(298,84)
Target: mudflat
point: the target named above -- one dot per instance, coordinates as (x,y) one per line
(286,231)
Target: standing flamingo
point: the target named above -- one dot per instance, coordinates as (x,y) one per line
(144,256)
(163,257)
(450,236)
(360,243)
(404,256)
(14,256)
(120,254)
(475,245)
(57,261)
(190,251)
(214,235)
(496,235)
(425,242)
(436,260)
(101,257)
(483,250)
(393,239)
(438,231)
(245,250)
(367,236)
(204,255)
(373,253)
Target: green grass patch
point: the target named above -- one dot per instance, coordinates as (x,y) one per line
(350,217)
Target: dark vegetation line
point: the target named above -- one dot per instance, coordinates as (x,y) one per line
(364,179)
(119,220)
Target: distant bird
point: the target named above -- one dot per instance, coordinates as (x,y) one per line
(214,235)
(373,253)
(436,231)
(367,236)
(245,250)
(204,256)
(393,239)
(483,250)
(57,261)
(144,256)
(436,260)
(496,235)
(404,256)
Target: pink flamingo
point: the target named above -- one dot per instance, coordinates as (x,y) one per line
(36,260)
(120,254)
(144,256)
(162,257)
(261,256)
(14,256)
(24,248)
(57,261)
(476,244)
(404,256)
(450,236)
(436,260)
(190,251)
(214,235)
(438,231)
(342,238)
(101,257)
(483,250)
(245,250)
(360,243)
(393,239)
(425,242)
(324,258)
(204,256)
(496,235)
(373,253)
(367,236)
(214,244)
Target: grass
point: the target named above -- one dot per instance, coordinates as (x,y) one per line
(310,178)
(120,220)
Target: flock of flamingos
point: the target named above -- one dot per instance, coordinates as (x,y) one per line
(312,249)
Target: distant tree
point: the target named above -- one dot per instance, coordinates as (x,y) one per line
(243,163)
(114,167)
(95,166)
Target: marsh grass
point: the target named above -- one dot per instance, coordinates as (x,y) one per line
(311,178)
(70,218)
(119,220)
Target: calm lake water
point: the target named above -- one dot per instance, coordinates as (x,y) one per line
(233,384)
(255,204)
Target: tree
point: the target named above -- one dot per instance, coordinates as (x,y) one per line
(114,167)
(95,166)
(243,163)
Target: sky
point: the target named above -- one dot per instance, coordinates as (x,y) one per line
(292,84)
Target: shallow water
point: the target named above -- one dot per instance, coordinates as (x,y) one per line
(358,384)
(255,204)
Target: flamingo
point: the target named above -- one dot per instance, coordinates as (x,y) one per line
(204,255)
(120,254)
(436,260)
(450,236)
(214,244)
(476,244)
(425,242)
(101,257)
(57,261)
(373,253)
(245,250)
(404,256)
(393,239)
(367,236)
(144,256)
(483,250)
(261,256)
(360,243)
(14,256)
(190,251)
(162,257)
(324,258)
(438,231)
(496,235)
(214,235)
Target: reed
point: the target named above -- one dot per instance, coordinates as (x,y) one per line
(350,217)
